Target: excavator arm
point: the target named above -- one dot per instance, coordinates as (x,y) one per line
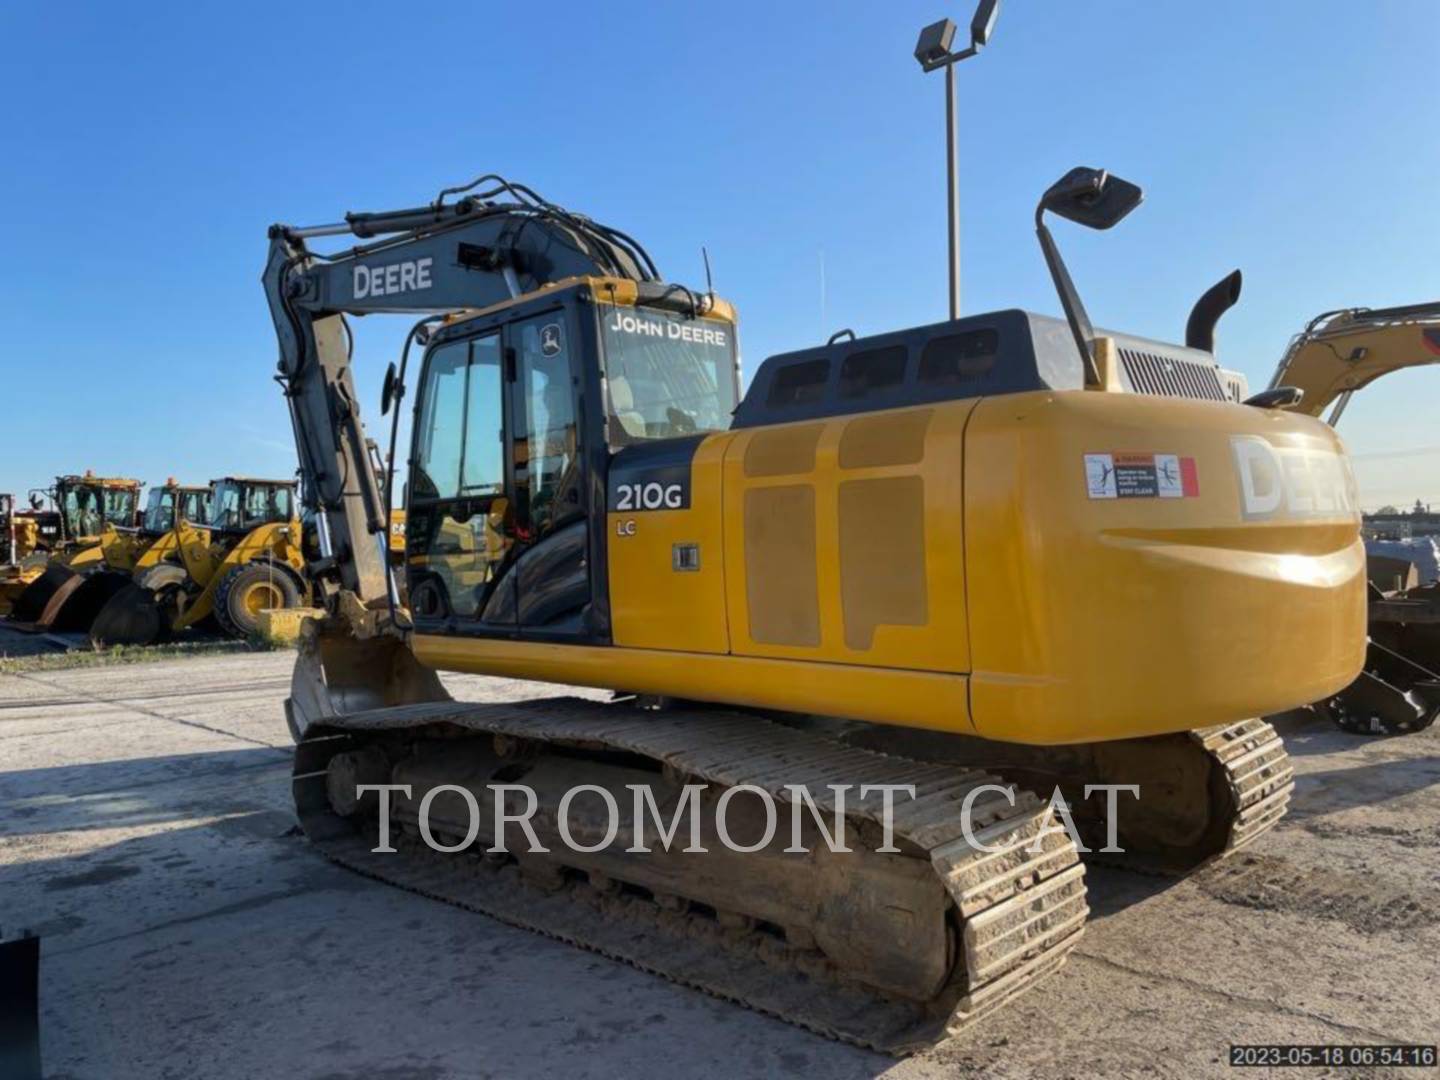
(482,248)
(1340,352)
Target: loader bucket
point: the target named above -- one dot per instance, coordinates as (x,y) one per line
(78,607)
(36,596)
(338,674)
(133,616)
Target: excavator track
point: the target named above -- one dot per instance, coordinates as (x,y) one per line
(865,971)
(1203,794)
(1256,768)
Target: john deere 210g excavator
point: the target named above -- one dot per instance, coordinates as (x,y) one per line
(1004,545)
(1338,353)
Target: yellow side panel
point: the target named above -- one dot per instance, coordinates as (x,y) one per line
(652,604)
(844,539)
(911,698)
(1094,615)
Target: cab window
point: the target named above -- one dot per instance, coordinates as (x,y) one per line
(547,451)
(455,525)
(441,427)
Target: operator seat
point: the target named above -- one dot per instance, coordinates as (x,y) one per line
(622,408)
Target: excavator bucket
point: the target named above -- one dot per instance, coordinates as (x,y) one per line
(337,674)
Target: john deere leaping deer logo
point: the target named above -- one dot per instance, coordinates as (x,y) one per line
(550,339)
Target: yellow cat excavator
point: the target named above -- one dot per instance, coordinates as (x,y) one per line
(1338,353)
(999,549)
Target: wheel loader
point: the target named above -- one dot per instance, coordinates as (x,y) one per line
(84,518)
(245,557)
(21,558)
(979,559)
(1335,355)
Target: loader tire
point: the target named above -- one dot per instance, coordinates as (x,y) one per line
(250,589)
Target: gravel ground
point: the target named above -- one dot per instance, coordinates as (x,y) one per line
(146,834)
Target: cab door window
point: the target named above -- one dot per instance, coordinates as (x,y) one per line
(440,431)
(195,507)
(456,531)
(547,459)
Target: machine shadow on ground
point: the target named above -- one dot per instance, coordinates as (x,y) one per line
(137,792)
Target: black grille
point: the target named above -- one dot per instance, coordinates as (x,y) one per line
(1148,373)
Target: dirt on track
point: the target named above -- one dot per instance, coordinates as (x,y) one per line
(145,832)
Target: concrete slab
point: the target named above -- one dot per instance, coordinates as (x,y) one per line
(189,931)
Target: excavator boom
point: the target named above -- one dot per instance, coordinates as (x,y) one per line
(444,258)
(1340,352)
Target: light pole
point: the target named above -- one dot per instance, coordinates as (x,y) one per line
(933,51)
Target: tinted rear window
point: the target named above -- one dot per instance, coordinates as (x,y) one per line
(866,372)
(958,358)
(799,384)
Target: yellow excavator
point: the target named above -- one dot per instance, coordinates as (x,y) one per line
(1004,550)
(243,557)
(1338,353)
(84,512)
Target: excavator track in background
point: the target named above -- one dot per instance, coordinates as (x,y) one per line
(886,951)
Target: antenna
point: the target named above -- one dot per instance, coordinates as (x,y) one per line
(709,284)
(823,317)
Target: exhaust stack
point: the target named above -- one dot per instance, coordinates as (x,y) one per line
(1218,299)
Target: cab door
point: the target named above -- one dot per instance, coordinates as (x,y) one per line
(498,526)
(550,528)
(459,522)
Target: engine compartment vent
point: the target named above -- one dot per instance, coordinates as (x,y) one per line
(1163,376)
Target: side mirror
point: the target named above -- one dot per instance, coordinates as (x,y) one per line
(1091,197)
(1097,200)
(1278,397)
(391,390)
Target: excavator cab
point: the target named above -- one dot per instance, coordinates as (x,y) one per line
(518,414)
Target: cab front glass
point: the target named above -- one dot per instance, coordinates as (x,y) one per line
(667,373)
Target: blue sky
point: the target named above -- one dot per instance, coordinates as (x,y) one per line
(148,147)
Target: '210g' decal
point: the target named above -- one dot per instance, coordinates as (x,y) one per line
(651,496)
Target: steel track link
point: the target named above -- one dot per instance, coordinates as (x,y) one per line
(1019,912)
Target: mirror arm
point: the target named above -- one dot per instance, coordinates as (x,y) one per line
(1075,313)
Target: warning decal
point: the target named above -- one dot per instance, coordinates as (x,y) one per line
(1140,476)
